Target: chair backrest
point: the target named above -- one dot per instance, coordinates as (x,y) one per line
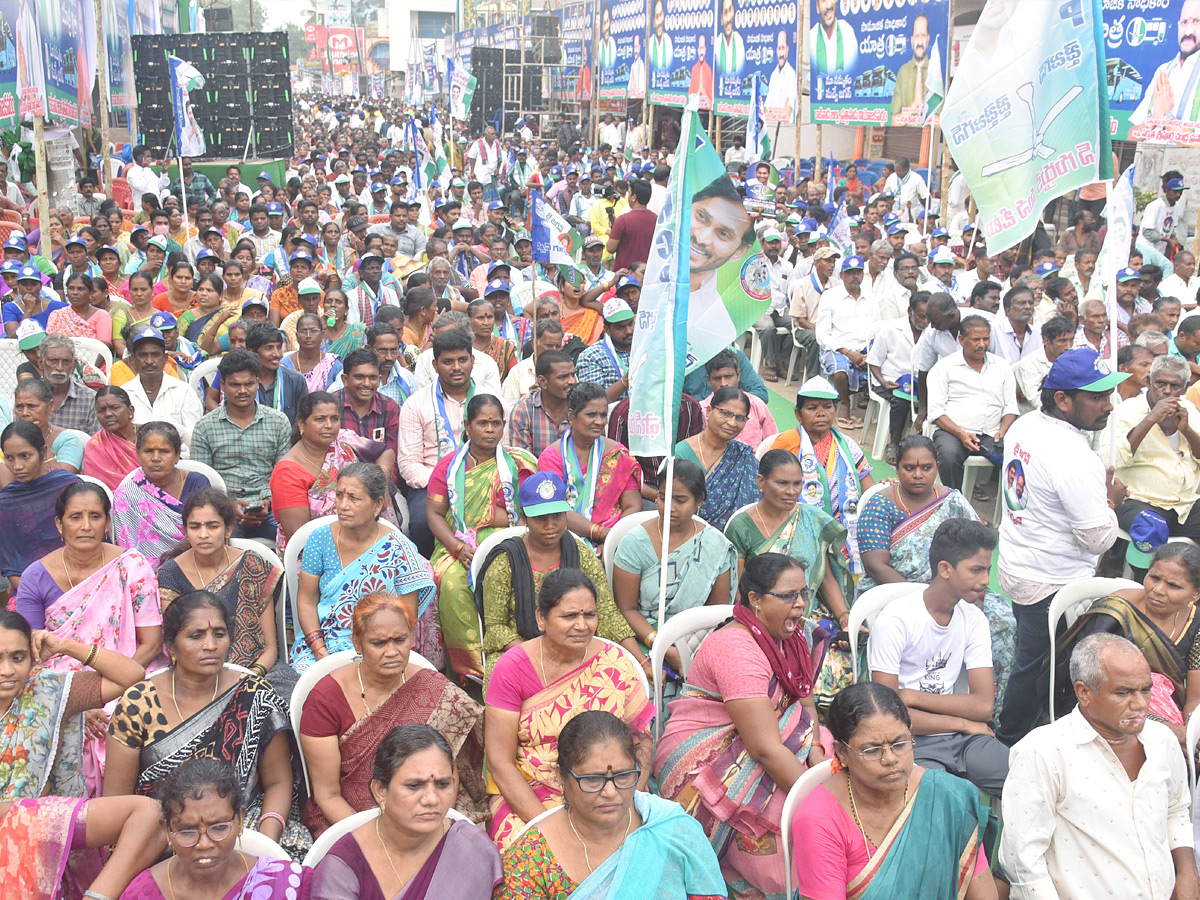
(257,844)
(203,374)
(10,358)
(764,445)
(1189,751)
(489,544)
(536,820)
(1069,602)
(281,642)
(213,476)
(87,349)
(622,528)
(803,786)
(241,670)
(308,680)
(338,830)
(866,608)
(112,523)
(870,492)
(685,631)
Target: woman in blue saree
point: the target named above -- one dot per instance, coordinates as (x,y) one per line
(662,853)
(729,465)
(894,531)
(353,557)
(882,827)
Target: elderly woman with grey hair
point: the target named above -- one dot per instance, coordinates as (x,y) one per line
(1098,788)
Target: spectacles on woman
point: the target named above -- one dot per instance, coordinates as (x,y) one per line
(790,597)
(217,832)
(594,784)
(729,414)
(874,754)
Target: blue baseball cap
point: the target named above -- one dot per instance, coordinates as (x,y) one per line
(810,225)
(274,208)
(852,262)
(940,231)
(163,321)
(146,333)
(256,301)
(921,213)
(896,228)
(264,175)
(377,186)
(497,204)
(1174,184)
(10,265)
(16,242)
(498,264)
(543,494)
(76,241)
(1147,532)
(628,281)
(970,226)
(307,239)
(906,388)
(1082,370)
(1128,274)
(1046,269)
(799,204)
(890,217)
(556,170)
(830,209)
(206,254)
(107,248)
(30,273)
(497,286)
(300,254)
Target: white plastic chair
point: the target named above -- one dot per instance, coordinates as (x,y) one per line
(308,680)
(536,820)
(878,411)
(763,446)
(258,844)
(281,641)
(1189,751)
(87,349)
(112,523)
(291,559)
(213,476)
(1068,604)
(867,608)
(203,374)
(338,830)
(973,467)
(685,631)
(625,525)
(805,785)
(869,493)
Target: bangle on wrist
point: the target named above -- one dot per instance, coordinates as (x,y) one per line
(91,657)
(272,815)
(650,638)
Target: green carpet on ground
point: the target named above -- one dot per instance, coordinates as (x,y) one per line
(782,404)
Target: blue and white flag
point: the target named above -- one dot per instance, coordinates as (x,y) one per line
(550,232)
(757,141)
(189,138)
(1114,254)
(839,227)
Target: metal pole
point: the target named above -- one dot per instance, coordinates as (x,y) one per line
(102,112)
(39,162)
(945,174)
(819,167)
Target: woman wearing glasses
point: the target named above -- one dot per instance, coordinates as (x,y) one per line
(609,840)
(882,827)
(538,686)
(729,465)
(411,851)
(197,707)
(204,811)
(745,724)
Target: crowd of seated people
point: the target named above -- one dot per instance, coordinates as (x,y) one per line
(340,579)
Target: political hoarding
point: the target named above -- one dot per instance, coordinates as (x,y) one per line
(119,61)
(462,89)
(757,36)
(8,64)
(577,26)
(679,51)
(620,57)
(1153,70)
(61,29)
(1026,118)
(869,61)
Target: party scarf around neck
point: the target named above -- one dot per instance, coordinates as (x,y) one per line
(456,477)
(447,440)
(792,662)
(581,489)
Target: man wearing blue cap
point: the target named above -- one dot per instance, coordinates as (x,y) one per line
(1129,304)
(1059,515)
(1164,221)
(156,396)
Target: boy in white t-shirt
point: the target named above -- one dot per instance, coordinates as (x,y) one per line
(920,645)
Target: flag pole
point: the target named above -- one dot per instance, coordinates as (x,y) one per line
(669,475)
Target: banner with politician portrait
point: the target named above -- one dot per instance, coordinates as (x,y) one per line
(1153,70)
(680,51)
(620,56)
(869,60)
(757,36)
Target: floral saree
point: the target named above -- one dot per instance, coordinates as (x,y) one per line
(618,472)
(149,518)
(427,699)
(41,747)
(38,855)
(729,481)
(267,878)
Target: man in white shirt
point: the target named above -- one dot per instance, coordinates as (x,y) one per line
(782,87)
(1164,221)
(846,321)
(1171,93)
(909,189)
(485,155)
(972,401)
(937,341)
(776,345)
(1057,335)
(832,43)
(1097,803)
(941,267)
(879,282)
(485,376)
(1058,515)
(890,360)
(156,396)
(1013,335)
(804,296)
(143,179)
(922,643)
(957,200)
(1182,283)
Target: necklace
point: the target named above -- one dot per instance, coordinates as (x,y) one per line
(756,513)
(362,691)
(542,659)
(175,700)
(66,570)
(201,580)
(854,811)
(245,862)
(587,861)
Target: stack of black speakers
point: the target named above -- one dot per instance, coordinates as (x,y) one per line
(247,91)
(487,65)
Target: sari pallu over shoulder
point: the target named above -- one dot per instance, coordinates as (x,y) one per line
(37,860)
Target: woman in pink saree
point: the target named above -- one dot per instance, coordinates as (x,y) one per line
(603,481)
(111,454)
(92,592)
